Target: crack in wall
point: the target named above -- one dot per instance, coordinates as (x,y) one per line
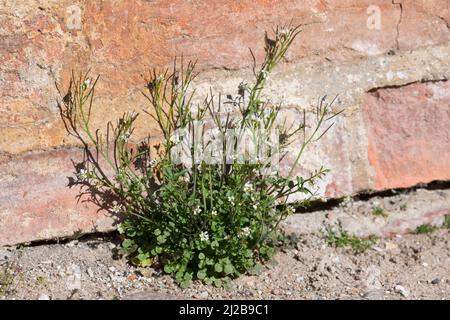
(447,24)
(320,205)
(400,6)
(315,206)
(397,86)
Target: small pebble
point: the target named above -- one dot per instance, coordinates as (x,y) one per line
(72,243)
(203,295)
(435,281)
(276,292)
(401,290)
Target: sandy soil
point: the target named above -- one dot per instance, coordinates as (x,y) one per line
(406,267)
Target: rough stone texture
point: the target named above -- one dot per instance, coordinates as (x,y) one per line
(36,204)
(372,70)
(401,214)
(409,134)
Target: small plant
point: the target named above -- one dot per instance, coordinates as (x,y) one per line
(40,281)
(7,279)
(379,212)
(209,213)
(446,223)
(425,228)
(343,239)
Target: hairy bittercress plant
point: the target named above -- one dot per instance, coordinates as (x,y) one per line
(197,220)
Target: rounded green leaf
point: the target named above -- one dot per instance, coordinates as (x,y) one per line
(218,267)
(127,243)
(168,269)
(185,283)
(218,283)
(201,274)
(228,269)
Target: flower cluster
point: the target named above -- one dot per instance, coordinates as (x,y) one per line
(83,175)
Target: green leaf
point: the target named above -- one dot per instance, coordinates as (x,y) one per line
(201,274)
(228,269)
(185,283)
(179,275)
(218,283)
(168,269)
(146,262)
(127,243)
(161,239)
(130,233)
(218,267)
(187,276)
(121,228)
(214,244)
(136,261)
(257,269)
(201,256)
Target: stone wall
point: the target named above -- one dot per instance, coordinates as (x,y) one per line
(389,61)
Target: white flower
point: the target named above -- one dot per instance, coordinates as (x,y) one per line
(255,206)
(204,236)
(153,163)
(271,142)
(231,199)
(214,213)
(290,209)
(248,187)
(245,232)
(284,31)
(265,74)
(197,210)
(125,136)
(83,175)
(175,138)
(86,84)
(116,209)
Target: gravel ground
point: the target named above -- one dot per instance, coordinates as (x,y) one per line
(404,267)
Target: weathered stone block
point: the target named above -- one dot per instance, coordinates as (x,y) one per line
(408,134)
(36,202)
(387,137)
